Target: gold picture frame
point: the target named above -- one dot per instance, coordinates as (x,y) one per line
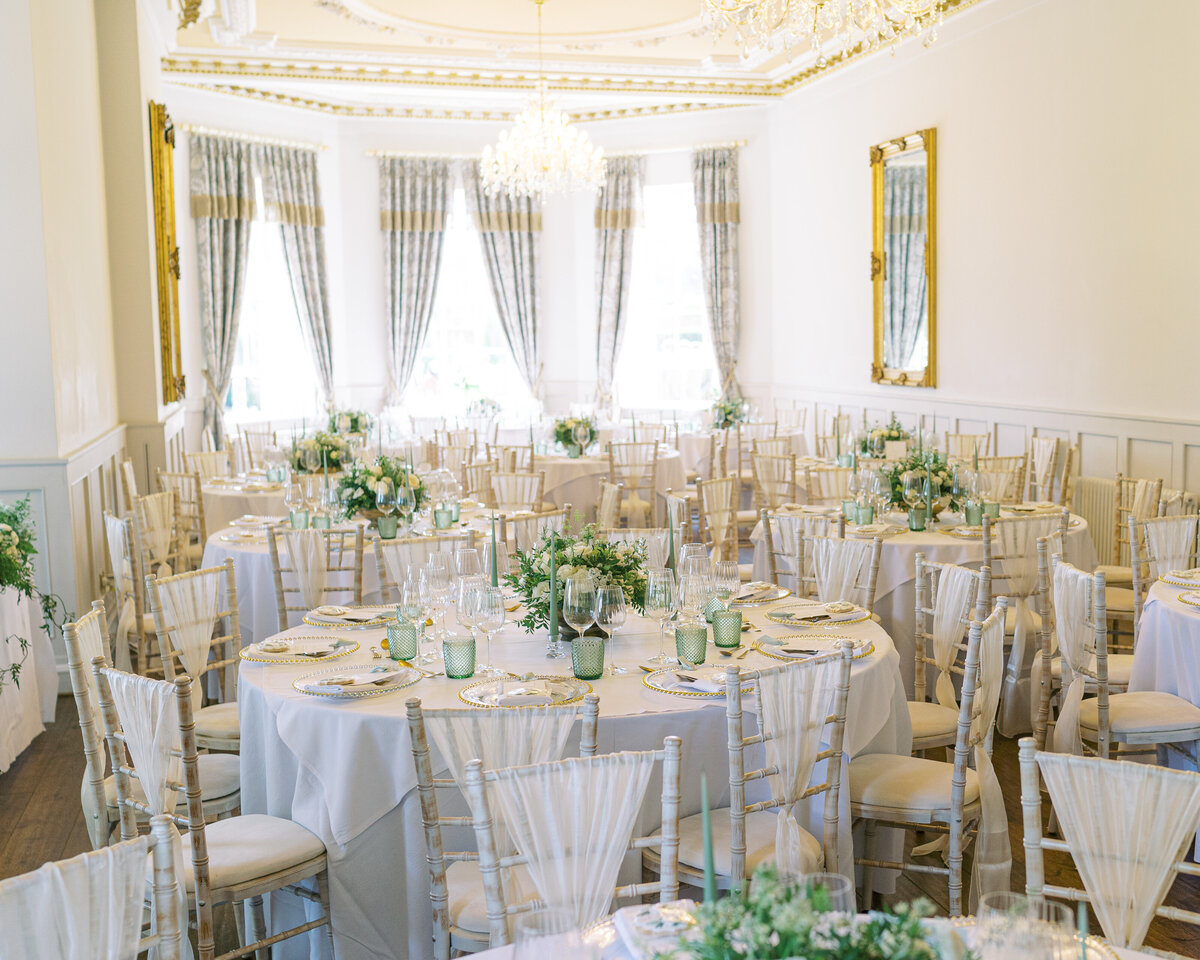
(907,376)
(162,176)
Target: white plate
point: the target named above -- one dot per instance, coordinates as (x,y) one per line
(379,615)
(762,593)
(790,615)
(242,536)
(397,679)
(1181,578)
(712,680)
(539,691)
(1190,597)
(250,520)
(805,646)
(298,649)
(332,610)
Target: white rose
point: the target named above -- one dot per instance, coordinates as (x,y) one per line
(541,590)
(567,570)
(5,526)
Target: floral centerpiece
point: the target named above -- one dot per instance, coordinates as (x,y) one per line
(728,411)
(774,920)
(918,463)
(354,421)
(622,563)
(335,449)
(565,429)
(874,439)
(356,488)
(483,407)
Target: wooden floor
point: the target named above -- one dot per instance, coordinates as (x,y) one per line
(39,807)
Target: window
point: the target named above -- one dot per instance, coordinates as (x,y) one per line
(666,360)
(465,355)
(273,376)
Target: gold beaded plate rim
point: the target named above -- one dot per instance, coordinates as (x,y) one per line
(1097,946)
(693,694)
(861,650)
(356,694)
(465,698)
(1191,598)
(382,620)
(349,648)
(1179,581)
(782,592)
(823,624)
(963,533)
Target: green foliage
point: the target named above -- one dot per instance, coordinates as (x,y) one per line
(360,421)
(916,463)
(729,411)
(356,488)
(564,430)
(873,442)
(336,453)
(621,563)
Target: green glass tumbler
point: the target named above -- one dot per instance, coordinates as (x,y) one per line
(691,642)
(387,527)
(714,604)
(727,628)
(442,517)
(916,518)
(455,511)
(849,510)
(299,519)
(402,637)
(321,521)
(458,652)
(587,657)
(865,513)
(992,509)
(973,513)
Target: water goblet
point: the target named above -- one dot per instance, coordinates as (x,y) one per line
(610,615)
(489,617)
(726,580)
(660,606)
(579,602)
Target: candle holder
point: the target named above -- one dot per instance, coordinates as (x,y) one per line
(442,517)
(458,653)
(455,511)
(849,510)
(992,509)
(845,460)
(402,639)
(387,527)
(321,521)
(298,519)
(973,513)
(714,605)
(587,657)
(727,628)
(691,641)
(865,513)
(916,518)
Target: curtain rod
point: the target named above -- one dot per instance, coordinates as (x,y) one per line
(622,153)
(252,137)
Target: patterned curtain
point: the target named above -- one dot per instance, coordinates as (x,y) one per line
(618,212)
(292,197)
(221,184)
(715,179)
(412,214)
(508,229)
(905,306)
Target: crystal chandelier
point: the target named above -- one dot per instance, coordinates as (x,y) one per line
(759,24)
(542,153)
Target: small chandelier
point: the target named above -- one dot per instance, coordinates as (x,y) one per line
(542,153)
(759,24)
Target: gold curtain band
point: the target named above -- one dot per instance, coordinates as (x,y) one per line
(718,212)
(222,208)
(503,221)
(616,219)
(412,221)
(299,214)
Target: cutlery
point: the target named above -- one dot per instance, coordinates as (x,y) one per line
(799,650)
(424,673)
(742,654)
(684,678)
(646,668)
(316,654)
(727,653)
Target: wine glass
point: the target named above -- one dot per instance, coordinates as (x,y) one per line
(405,501)
(489,617)
(914,488)
(660,605)
(466,607)
(343,423)
(427,597)
(1009,924)
(312,459)
(726,580)
(579,601)
(550,932)
(693,593)
(385,495)
(466,562)
(582,435)
(838,890)
(410,606)
(438,577)
(610,615)
(312,492)
(293,497)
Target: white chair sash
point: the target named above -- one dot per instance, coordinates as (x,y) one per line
(157,515)
(306,551)
(1042,451)
(1127,825)
(191,606)
(992,866)
(718,509)
(950,609)
(840,567)
(1170,544)
(120,555)
(1073,600)
(794,702)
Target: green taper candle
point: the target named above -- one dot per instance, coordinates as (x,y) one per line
(495,580)
(553,586)
(710,874)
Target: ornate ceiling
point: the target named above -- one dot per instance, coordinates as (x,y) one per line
(474,58)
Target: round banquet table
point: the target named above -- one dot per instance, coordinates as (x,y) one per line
(225,502)
(577,481)
(693,448)
(24,708)
(895,596)
(344,769)
(1167,655)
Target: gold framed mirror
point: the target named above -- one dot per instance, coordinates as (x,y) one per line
(162,175)
(904,260)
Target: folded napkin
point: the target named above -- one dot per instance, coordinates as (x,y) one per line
(527,696)
(342,682)
(707,680)
(754,591)
(1192,574)
(805,615)
(648,930)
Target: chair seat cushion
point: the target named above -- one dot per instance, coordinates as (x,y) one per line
(194,551)
(745,572)
(241,849)
(218,722)
(1147,711)
(1010,620)
(932,721)
(906,783)
(467,901)
(219,777)
(1118,600)
(1120,666)
(1121,576)
(760,842)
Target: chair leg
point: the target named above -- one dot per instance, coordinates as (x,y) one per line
(259,926)
(323,893)
(870,843)
(239,921)
(955,864)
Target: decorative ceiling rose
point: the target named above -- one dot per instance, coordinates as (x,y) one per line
(764,24)
(542,153)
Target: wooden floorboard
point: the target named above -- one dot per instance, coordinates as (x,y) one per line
(40,808)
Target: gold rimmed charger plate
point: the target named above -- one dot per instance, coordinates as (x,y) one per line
(963,533)
(654,682)
(253,655)
(577,689)
(387,615)
(826,643)
(773,616)
(410,677)
(1180,581)
(1097,947)
(1191,598)
(771,594)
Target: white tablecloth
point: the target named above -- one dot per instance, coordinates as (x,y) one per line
(1167,655)
(344,770)
(894,590)
(24,708)
(224,503)
(693,448)
(577,481)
